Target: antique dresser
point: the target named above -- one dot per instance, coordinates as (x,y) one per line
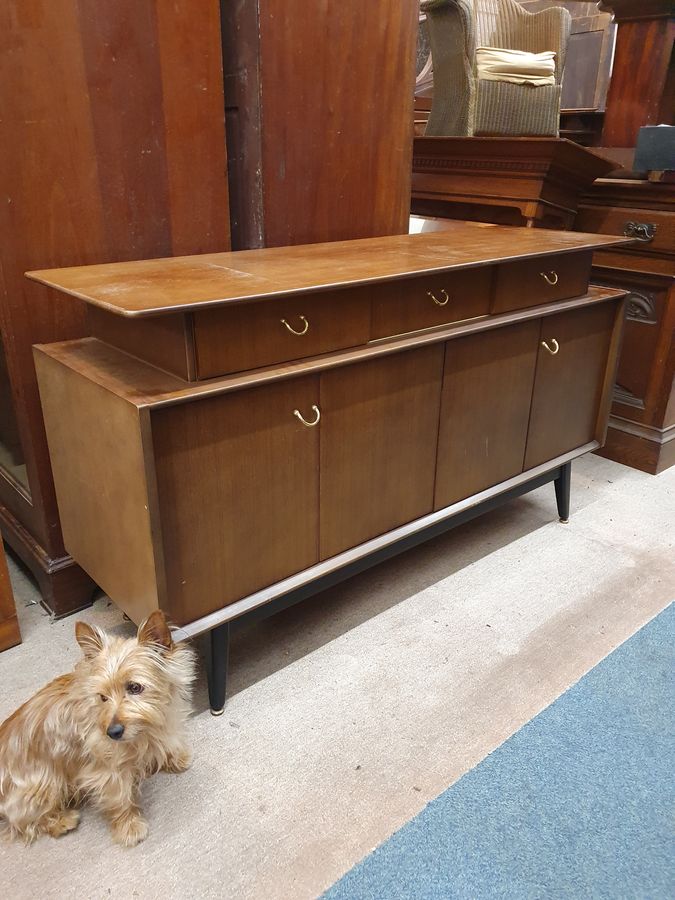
(244,429)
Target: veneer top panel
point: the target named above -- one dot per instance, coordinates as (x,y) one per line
(186,283)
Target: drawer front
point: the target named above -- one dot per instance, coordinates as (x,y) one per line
(653,231)
(252,335)
(532,282)
(415,303)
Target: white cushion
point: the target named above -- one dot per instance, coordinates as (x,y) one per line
(516,66)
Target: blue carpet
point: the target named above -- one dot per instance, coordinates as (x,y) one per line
(577,804)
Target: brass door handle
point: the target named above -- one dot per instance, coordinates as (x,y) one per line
(317,412)
(552,280)
(556,346)
(436,300)
(292,330)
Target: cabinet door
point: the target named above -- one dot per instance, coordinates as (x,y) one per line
(379,431)
(238,487)
(571,366)
(485,407)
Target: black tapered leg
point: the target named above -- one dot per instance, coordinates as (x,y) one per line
(219,653)
(562,491)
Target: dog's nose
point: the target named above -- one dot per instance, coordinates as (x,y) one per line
(115,731)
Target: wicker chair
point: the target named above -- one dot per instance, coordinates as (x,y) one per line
(463,104)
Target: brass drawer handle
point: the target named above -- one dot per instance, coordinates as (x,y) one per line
(641,231)
(292,330)
(436,300)
(556,346)
(552,280)
(317,412)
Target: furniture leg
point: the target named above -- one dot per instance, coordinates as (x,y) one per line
(562,492)
(217,667)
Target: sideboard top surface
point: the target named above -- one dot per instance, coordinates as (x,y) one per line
(185,283)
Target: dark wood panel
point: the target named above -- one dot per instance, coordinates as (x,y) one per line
(642,58)
(531,282)
(238,488)
(250,335)
(379,433)
(320,118)
(569,384)
(432,300)
(485,409)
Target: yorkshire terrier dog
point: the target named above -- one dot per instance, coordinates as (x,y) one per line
(96,733)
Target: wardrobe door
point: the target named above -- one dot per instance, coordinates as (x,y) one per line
(485,406)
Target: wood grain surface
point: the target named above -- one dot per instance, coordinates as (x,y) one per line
(379,432)
(485,409)
(151,287)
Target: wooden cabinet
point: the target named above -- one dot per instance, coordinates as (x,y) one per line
(230,496)
(485,408)
(378,445)
(569,382)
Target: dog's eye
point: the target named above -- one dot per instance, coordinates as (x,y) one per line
(103,697)
(134,687)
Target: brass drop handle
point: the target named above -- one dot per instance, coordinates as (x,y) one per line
(436,300)
(292,330)
(317,413)
(550,277)
(556,346)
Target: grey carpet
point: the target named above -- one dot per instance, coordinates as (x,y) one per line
(350,712)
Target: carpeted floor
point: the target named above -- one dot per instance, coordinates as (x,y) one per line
(578,803)
(349,713)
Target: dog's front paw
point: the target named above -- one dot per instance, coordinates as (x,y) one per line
(130,830)
(178,762)
(62,822)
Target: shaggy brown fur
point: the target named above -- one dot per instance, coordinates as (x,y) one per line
(96,733)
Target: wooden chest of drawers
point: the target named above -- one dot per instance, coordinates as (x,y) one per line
(366,394)
(642,422)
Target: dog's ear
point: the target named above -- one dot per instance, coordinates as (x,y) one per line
(89,638)
(155,631)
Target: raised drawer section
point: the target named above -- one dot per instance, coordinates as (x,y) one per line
(417,303)
(251,335)
(532,282)
(652,230)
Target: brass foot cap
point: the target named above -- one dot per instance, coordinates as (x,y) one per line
(564,521)
(217,712)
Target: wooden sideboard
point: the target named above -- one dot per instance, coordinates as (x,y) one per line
(246,428)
